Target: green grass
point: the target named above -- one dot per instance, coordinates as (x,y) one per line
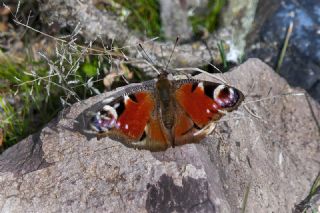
(144,16)
(210,19)
(141,15)
(284,48)
(223,54)
(19,103)
(304,206)
(30,99)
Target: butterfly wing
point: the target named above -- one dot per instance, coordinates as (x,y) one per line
(200,103)
(131,118)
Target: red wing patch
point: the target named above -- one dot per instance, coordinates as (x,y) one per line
(134,118)
(183,125)
(201,108)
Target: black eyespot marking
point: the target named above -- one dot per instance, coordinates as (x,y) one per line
(104,113)
(209,90)
(194,86)
(225,93)
(133,98)
(228,97)
(95,122)
(119,106)
(234,97)
(104,120)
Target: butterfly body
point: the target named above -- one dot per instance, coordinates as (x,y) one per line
(164,113)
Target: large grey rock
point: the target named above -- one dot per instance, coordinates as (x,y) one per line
(174,19)
(300,65)
(275,157)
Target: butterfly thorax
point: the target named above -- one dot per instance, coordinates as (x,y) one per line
(164,93)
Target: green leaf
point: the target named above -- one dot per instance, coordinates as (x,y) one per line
(89,69)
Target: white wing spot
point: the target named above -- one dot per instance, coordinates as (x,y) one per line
(217,91)
(201,86)
(116,105)
(231,91)
(108,100)
(112,111)
(126,98)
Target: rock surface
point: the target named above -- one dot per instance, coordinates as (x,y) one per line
(301,62)
(174,19)
(275,157)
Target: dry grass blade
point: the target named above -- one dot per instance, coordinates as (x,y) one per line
(245,199)
(274,97)
(285,46)
(304,205)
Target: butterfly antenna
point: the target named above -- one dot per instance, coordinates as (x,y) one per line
(149,61)
(146,55)
(175,44)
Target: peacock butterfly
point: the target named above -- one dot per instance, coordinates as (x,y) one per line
(164,112)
